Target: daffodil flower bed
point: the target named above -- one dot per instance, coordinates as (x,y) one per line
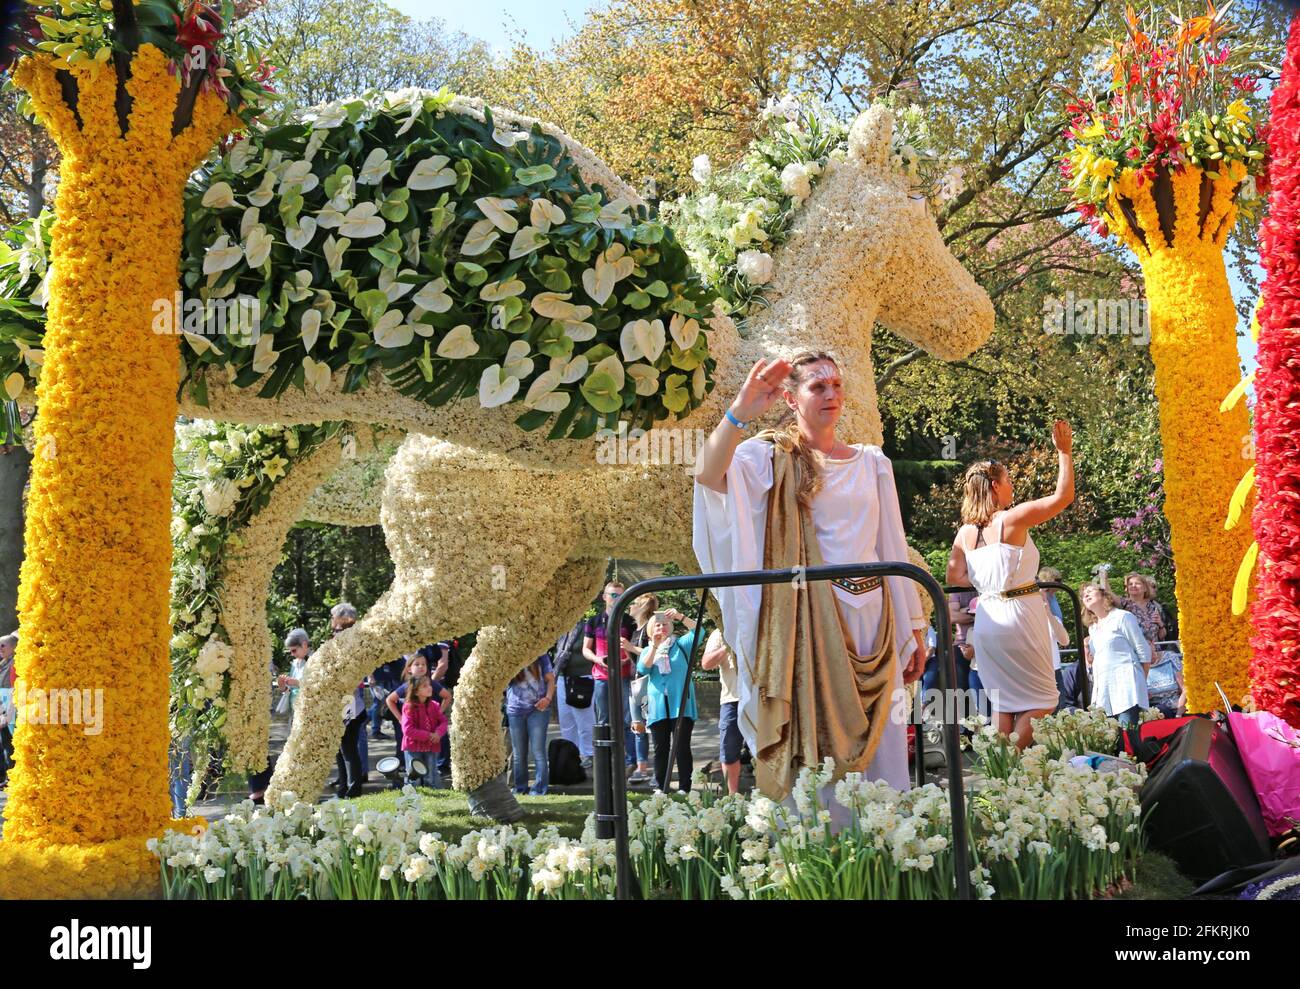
(462,257)
(1040,828)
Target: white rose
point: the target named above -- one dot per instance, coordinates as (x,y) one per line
(701,168)
(795,181)
(756,266)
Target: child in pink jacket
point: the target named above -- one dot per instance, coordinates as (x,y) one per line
(423,726)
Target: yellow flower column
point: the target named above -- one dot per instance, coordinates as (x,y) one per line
(94,591)
(1194,348)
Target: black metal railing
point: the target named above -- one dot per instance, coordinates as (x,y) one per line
(608,738)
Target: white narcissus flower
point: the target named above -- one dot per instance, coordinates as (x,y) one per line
(220,255)
(375,167)
(642,338)
(458,344)
(431,173)
(756,266)
(257,246)
(362,221)
(701,168)
(219,195)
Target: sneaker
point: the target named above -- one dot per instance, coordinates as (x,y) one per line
(586,762)
(639,777)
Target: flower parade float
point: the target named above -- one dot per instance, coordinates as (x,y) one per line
(1275,668)
(135,101)
(413,252)
(1165,162)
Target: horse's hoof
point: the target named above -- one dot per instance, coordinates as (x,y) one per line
(496,800)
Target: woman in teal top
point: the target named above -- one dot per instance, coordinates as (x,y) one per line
(666,660)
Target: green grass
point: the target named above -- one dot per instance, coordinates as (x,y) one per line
(447,811)
(1158,878)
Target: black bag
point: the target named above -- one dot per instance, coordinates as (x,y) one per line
(1204,812)
(578,691)
(564,762)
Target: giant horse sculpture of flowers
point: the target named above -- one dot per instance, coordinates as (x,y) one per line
(1161,164)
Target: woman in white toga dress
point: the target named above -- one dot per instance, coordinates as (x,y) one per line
(855,514)
(994,552)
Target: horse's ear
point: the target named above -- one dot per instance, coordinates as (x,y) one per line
(870,136)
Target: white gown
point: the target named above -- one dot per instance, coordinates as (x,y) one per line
(1012,636)
(857,519)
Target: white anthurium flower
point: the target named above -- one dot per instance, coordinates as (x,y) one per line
(41,296)
(614,215)
(554,305)
(496,291)
(527,240)
(314,144)
(210,290)
(683,331)
(316,374)
(543,396)
(433,297)
(497,210)
(219,195)
(642,338)
(220,255)
(299,290)
(388,283)
(416,106)
(264,356)
(362,221)
(431,173)
(14,385)
(479,239)
(508,138)
(458,344)
(241,152)
(375,167)
(421,329)
(334,253)
(612,366)
(578,331)
(298,173)
(265,192)
(324,304)
(301,233)
(545,214)
(517,363)
(646,378)
(257,247)
(250,219)
(570,371)
(309,328)
(200,344)
(698,381)
(495,387)
(329,218)
(328,116)
(611,267)
(412,239)
(391,330)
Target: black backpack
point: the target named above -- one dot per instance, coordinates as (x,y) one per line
(564,762)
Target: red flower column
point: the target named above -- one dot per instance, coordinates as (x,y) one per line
(1275,668)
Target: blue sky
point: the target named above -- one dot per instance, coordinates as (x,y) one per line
(499,22)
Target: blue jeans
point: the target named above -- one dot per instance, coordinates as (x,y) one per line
(600,701)
(528,734)
(365,754)
(642,747)
(1131,717)
(376,716)
(976,687)
(431,778)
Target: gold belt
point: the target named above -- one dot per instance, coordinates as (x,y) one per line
(1015,592)
(857,585)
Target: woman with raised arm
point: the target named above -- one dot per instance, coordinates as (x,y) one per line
(820,664)
(1012,634)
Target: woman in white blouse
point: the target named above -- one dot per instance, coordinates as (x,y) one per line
(854,510)
(1118,654)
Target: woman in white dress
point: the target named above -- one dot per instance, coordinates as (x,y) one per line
(848,492)
(1118,655)
(1012,634)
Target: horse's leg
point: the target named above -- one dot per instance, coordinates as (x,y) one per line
(477,754)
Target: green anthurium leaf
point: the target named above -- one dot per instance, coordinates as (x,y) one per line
(395,211)
(602,394)
(586,209)
(658,289)
(470,273)
(464,172)
(533,174)
(636,299)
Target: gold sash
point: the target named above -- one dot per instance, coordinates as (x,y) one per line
(816,696)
